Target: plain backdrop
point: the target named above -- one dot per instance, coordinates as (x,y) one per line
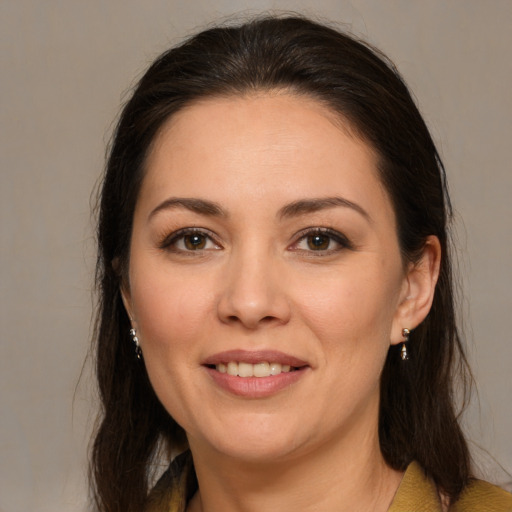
(66,68)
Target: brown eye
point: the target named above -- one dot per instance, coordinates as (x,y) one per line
(322,241)
(318,242)
(189,240)
(195,241)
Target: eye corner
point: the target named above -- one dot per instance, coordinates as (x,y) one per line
(189,241)
(320,241)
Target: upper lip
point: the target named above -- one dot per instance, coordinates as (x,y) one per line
(254,357)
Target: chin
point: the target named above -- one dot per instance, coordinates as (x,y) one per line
(257,444)
(258,451)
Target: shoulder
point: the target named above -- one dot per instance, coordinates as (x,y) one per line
(482,496)
(418,493)
(175,487)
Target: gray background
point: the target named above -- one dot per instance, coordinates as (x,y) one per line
(67,66)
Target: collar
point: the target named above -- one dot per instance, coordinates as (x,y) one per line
(416,490)
(178,484)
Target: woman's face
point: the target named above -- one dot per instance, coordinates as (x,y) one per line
(264,244)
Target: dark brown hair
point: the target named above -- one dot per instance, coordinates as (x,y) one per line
(418,420)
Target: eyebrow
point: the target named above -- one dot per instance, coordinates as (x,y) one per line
(304,206)
(200,206)
(294,209)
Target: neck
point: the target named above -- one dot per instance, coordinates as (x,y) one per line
(347,474)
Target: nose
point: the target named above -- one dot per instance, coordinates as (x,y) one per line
(253,292)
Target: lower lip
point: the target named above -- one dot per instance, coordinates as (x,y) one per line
(256,387)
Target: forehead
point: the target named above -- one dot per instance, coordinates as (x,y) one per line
(273,144)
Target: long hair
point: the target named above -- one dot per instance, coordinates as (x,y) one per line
(418,419)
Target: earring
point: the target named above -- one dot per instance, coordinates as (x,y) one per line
(138,351)
(403,352)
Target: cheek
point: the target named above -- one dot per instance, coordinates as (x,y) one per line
(349,315)
(171,317)
(351,310)
(170,311)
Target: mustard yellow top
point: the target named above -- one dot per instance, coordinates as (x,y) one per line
(416,493)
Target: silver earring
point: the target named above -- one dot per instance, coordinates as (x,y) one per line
(403,352)
(138,351)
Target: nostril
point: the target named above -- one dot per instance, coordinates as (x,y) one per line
(251,322)
(245,306)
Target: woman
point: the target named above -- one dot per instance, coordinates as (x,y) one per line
(273,239)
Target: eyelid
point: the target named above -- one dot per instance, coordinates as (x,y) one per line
(168,240)
(338,237)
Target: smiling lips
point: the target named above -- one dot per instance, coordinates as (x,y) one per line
(262,369)
(256,374)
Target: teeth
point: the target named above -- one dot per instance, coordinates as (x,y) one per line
(275,369)
(232,368)
(245,370)
(262,369)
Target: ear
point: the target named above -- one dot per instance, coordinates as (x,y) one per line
(418,290)
(127,301)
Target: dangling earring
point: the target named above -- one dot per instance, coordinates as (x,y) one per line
(403,352)
(138,351)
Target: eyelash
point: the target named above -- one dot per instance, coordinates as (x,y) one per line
(332,235)
(170,242)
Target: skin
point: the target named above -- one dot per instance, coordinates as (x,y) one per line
(258,283)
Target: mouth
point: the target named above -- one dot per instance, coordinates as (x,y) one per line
(260,370)
(255,374)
